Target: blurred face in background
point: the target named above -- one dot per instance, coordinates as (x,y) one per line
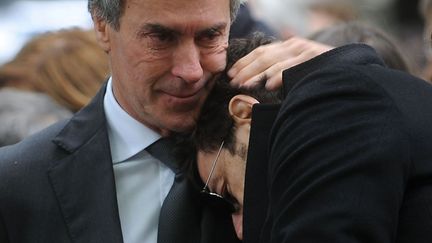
(163,57)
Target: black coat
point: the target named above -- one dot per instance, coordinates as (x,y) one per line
(58,186)
(346,158)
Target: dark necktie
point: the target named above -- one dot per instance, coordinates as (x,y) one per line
(179,217)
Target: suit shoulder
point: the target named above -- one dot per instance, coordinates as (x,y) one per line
(38,147)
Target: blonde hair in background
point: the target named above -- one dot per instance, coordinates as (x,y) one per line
(68,65)
(73,69)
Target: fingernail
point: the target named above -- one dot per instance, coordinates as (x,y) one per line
(231,73)
(234,82)
(269,86)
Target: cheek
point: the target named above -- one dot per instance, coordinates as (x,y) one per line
(136,55)
(149,55)
(215,62)
(202,169)
(236,178)
(144,72)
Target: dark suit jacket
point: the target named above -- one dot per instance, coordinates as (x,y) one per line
(346,158)
(58,186)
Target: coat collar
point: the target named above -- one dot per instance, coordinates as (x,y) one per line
(83,181)
(255,188)
(83,125)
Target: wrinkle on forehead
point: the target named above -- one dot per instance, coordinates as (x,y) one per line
(180,12)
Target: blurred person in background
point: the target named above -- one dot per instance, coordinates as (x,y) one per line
(301,17)
(68,65)
(425,9)
(246,24)
(325,13)
(23,113)
(286,18)
(358,32)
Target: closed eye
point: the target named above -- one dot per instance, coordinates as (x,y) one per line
(210,34)
(212,37)
(226,194)
(158,37)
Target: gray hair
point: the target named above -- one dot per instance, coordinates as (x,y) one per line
(23,113)
(112,10)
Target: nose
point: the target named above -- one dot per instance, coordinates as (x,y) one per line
(238,224)
(187,63)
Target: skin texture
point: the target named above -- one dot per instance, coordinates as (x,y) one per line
(163,58)
(229,173)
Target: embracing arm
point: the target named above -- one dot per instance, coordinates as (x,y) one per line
(339,162)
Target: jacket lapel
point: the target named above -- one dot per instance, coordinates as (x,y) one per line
(83,181)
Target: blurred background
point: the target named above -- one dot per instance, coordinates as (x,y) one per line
(21,19)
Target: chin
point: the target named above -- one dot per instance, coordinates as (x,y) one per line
(179,121)
(182,125)
(184,128)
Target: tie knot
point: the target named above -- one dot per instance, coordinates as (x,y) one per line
(162,150)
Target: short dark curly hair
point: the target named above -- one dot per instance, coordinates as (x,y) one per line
(215,123)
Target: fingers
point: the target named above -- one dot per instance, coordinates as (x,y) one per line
(272,76)
(266,63)
(251,68)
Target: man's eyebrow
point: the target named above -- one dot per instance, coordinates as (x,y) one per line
(218,28)
(151,27)
(156,28)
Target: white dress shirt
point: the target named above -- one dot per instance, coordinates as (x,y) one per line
(142,181)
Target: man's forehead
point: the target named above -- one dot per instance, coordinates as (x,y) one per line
(181,16)
(178,7)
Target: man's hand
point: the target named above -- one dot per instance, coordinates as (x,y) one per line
(267,62)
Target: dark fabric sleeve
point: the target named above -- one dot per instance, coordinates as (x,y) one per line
(3,232)
(339,162)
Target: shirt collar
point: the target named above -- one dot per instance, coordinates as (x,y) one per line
(127,136)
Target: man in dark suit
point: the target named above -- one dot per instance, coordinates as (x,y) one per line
(344,158)
(105,174)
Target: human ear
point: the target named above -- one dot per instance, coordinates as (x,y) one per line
(240,108)
(102,29)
